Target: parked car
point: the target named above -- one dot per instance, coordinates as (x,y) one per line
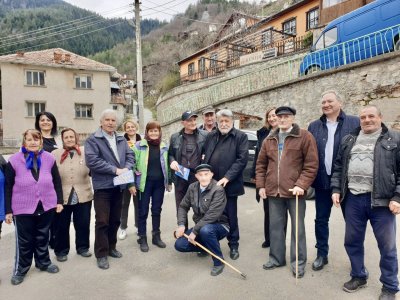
(366,32)
(252,137)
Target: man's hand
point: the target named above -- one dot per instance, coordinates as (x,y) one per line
(121,171)
(336,199)
(223,182)
(191,238)
(394,207)
(179,231)
(297,191)
(9,218)
(169,188)
(132,190)
(262,193)
(174,166)
(59,208)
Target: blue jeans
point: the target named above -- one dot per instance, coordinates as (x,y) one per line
(209,237)
(154,190)
(383,222)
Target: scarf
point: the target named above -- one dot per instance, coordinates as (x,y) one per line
(29,157)
(67,150)
(152,142)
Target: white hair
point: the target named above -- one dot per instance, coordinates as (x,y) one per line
(225,113)
(108,112)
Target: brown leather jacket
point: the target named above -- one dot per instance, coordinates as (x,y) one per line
(298,165)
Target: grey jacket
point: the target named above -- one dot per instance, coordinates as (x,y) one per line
(208,206)
(101,161)
(386,173)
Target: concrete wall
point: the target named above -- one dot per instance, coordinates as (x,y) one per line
(59,94)
(374,81)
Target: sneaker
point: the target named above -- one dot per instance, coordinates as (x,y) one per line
(354,284)
(62,258)
(387,295)
(17,279)
(122,234)
(102,263)
(50,269)
(216,270)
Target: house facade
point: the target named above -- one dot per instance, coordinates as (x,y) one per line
(332,9)
(74,88)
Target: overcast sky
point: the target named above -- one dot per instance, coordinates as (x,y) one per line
(159,9)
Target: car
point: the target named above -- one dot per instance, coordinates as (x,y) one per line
(252,137)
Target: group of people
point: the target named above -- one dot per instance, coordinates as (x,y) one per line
(352,162)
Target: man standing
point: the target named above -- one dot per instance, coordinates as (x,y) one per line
(185,149)
(288,159)
(209,123)
(226,150)
(207,200)
(107,156)
(328,132)
(367,174)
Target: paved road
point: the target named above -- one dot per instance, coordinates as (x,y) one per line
(166,274)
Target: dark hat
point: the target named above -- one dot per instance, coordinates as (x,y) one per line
(203,167)
(188,114)
(208,109)
(285,110)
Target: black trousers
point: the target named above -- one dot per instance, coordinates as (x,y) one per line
(181,187)
(53,231)
(126,199)
(107,205)
(231,212)
(32,239)
(81,218)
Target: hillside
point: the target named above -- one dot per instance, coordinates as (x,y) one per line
(55,23)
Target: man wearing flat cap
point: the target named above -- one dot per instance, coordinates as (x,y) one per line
(209,119)
(207,200)
(185,150)
(288,159)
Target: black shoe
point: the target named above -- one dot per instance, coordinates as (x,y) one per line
(102,263)
(387,295)
(17,279)
(142,241)
(62,258)
(115,253)
(234,254)
(319,263)
(354,284)
(202,254)
(269,265)
(85,253)
(300,274)
(156,240)
(265,244)
(50,269)
(216,270)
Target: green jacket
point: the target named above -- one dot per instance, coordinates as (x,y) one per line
(141,150)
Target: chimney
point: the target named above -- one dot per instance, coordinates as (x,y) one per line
(20,53)
(67,57)
(57,57)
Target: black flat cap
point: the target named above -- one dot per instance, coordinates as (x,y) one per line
(203,167)
(285,110)
(188,114)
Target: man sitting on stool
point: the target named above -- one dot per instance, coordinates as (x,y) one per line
(208,201)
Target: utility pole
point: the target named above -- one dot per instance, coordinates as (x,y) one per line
(139,75)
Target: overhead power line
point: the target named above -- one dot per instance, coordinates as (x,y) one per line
(162,5)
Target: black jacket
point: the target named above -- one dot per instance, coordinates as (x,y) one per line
(386,174)
(234,153)
(208,206)
(262,133)
(319,130)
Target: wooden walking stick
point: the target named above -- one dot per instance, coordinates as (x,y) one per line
(297,234)
(244,276)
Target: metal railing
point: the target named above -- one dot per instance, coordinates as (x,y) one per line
(364,47)
(210,72)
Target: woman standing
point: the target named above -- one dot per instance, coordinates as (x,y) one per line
(131,128)
(46,123)
(271,123)
(33,195)
(77,194)
(3,164)
(152,164)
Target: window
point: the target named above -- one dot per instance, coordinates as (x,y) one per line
(289,26)
(266,38)
(35,78)
(202,64)
(34,107)
(191,69)
(214,60)
(329,3)
(115,107)
(83,81)
(312,19)
(327,39)
(84,111)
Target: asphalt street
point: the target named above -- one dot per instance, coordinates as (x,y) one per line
(167,274)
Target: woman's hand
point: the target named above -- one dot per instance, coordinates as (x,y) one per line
(59,208)
(9,218)
(132,190)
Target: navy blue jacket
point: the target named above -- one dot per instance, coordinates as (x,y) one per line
(319,130)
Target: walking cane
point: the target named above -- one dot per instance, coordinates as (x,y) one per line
(297,234)
(244,276)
